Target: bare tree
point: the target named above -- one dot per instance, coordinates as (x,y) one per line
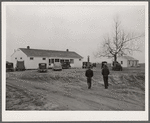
(120,43)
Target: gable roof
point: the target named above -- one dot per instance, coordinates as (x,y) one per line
(50,53)
(129,58)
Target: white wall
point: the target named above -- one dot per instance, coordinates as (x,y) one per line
(18,54)
(34,64)
(125,63)
(29,64)
(72,65)
(78,63)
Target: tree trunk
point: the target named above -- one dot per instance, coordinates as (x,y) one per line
(115,58)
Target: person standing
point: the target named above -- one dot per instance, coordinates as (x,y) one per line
(89,75)
(105,73)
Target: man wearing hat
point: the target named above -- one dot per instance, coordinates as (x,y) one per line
(105,73)
(89,75)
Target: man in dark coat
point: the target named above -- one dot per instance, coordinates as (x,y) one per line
(89,75)
(105,73)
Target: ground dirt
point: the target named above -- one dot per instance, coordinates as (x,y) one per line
(67,90)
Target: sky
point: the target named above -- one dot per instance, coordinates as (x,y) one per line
(77,27)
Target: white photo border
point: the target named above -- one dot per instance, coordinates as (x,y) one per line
(73,115)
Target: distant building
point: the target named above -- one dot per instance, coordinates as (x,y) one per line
(32,57)
(127,61)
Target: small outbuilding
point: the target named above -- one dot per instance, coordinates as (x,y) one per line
(128,61)
(32,57)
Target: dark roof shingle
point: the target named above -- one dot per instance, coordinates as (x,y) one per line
(50,53)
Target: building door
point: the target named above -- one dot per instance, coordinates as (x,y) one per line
(132,63)
(128,63)
(20,65)
(49,62)
(135,63)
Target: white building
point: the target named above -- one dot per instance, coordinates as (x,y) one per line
(32,57)
(127,61)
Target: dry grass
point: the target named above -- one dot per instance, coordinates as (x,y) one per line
(128,83)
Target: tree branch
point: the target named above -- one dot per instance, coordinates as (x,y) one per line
(118,43)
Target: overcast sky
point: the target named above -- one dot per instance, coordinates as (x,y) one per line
(79,28)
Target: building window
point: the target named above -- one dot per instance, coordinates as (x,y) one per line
(56,60)
(79,59)
(67,60)
(121,62)
(44,58)
(129,62)
(71,60)
(31,58)
(20,57)
(52,60)
(15,58)
(61,60)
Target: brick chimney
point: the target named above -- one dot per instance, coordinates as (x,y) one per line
(88,59)
(28,47)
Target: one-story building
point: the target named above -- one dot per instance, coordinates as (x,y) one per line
(127,61)
(32,57)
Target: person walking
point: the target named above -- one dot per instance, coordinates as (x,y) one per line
(105,73)
(89,75)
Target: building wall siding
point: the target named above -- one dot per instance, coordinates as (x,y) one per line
(133,63)
(125,63)
(17,57)
(78,63)
(34,64)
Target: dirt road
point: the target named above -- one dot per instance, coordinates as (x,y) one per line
(67,90)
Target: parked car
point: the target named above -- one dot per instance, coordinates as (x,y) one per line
(86,64)
(94,64)
(57,66)
(9,67)
(50,66)
(65,65)
(116,66)
(42,67)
